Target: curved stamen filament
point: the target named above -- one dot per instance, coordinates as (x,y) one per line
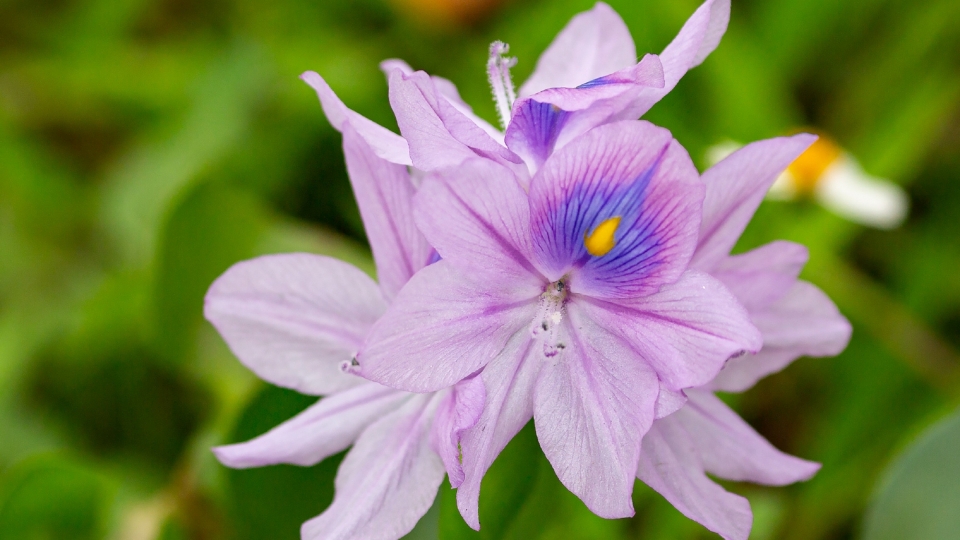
(498,72)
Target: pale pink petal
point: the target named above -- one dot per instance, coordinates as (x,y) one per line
(439,134)
(323,429)
(459,411)
(805,322)
(548,120)
(593,403)
(293,319)
(735,188)
(685,332)
(388,480)
(764,275)
(699,36)
(669,401)
(670,464)
(509,382)
(594,43)
(449,91)
(743,372)
(384,194)
(442,328)
(384,143)
(731,449)
(477,217)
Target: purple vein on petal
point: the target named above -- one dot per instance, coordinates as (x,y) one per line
(649,315)
(508,248)
(309,329)
(640,234)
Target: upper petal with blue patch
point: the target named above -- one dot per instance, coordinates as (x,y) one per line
(616,212)
(547,120)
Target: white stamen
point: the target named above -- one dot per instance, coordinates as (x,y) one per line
(546,324)
(498,72)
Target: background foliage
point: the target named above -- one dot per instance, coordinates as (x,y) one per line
(146,145)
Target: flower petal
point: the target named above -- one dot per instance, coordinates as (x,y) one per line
(293,319)
(477,217)
(323,429)
(699,36)
(669,401)
(387,482)
(805,322)
(592,406)
(764,275)
(384,195)
(449,91)
(731,449)
(458,412)
(685,332)
(631,171)
(439,135)
(548,120)
(384,143)
(594,43)
(442,328)
(509,381)
(670,464)
(735,188)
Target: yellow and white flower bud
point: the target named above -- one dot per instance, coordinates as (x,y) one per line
(833,177)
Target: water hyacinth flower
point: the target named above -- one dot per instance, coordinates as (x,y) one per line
(835,179)
(296,319)
(795,318)
(574,300)
(573,281)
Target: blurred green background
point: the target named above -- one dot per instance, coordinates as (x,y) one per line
(146,145)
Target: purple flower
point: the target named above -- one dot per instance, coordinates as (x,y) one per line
(574,300)
(296,320)
(588,77)
(795,318)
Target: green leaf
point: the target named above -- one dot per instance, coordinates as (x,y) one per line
(920,494)
(53,497)
(211,229)
(148,181)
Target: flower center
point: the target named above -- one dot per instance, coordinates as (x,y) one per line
(498,72)
(546,325)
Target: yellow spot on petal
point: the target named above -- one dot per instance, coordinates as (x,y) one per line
(806,170)
(601,240)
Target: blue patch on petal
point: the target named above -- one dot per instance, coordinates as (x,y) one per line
(599,81)
(433,257)
(540,124)
(591,203)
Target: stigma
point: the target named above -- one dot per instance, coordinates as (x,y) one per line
(602,239)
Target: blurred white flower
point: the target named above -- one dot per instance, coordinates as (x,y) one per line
(834,178)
